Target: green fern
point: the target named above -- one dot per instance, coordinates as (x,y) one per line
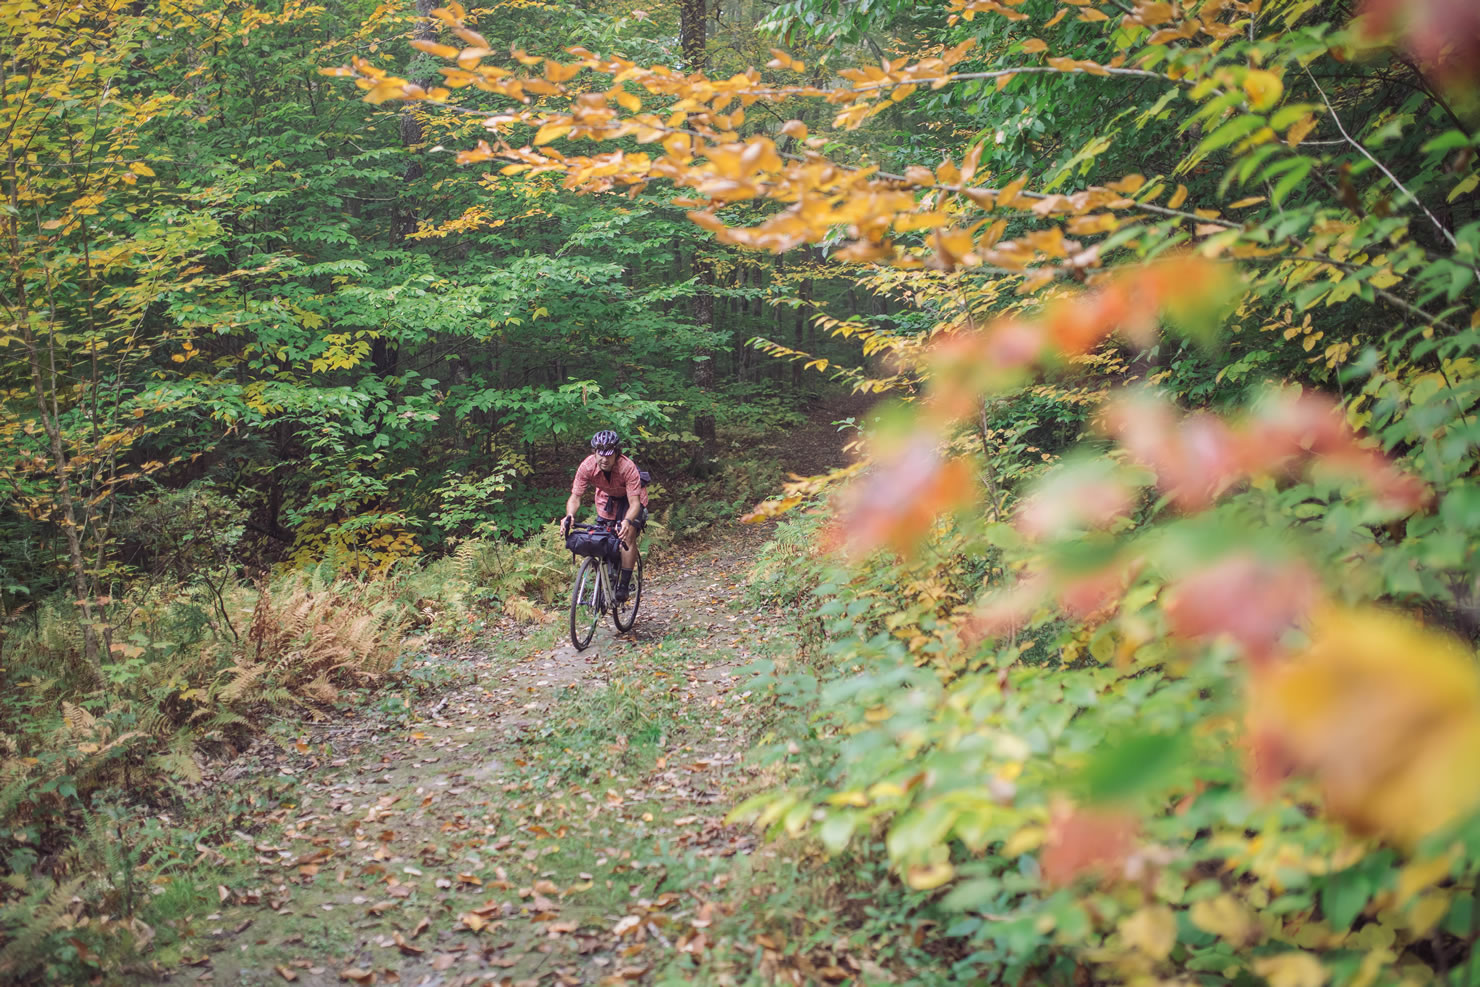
(15,785)
(178,760)
(28,923)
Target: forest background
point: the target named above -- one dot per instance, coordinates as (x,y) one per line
(292,366)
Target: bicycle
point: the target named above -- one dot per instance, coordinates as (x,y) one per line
(594,594)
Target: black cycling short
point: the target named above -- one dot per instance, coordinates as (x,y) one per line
(619,504)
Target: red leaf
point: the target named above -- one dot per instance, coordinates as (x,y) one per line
(1255,601)
(1071,499)
(1087,841)
(1442,35)
(1194,459)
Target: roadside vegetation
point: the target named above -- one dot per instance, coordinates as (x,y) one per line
(1133,640)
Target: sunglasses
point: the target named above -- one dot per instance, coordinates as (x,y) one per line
(605,452)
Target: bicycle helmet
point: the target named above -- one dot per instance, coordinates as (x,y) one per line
(605,440)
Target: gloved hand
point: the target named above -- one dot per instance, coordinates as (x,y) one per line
(565,524)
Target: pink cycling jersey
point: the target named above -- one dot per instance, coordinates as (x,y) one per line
(622,481)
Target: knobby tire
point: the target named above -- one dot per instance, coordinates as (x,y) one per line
(628,611)
(583,604)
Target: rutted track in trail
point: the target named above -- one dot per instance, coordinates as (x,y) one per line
(473,844)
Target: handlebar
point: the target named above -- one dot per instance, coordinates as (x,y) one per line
(577,526)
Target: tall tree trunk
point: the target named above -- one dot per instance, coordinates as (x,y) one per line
(692,34)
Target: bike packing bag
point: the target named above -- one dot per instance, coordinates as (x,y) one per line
(599,544)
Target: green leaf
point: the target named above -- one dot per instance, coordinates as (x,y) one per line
(1132,765)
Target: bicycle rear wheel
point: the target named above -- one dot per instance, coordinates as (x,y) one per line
(585,611)
(625,614)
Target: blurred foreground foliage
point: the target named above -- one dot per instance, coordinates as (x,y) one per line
(1153,657)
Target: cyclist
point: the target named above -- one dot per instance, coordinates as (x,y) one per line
(621,499)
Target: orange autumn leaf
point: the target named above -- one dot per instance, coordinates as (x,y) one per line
(898,504)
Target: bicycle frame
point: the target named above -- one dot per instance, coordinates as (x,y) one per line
(605,587)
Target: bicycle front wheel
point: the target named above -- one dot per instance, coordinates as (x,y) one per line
(585,610)
(624,615)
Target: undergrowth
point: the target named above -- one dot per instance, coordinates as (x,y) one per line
(195,673)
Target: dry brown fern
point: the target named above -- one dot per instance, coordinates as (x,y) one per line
(245,677)
(78,720)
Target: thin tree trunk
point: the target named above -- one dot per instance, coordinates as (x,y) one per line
(704,364)
(385,353)
(51,424)
(799,331)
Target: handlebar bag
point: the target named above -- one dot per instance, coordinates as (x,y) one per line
(600,544)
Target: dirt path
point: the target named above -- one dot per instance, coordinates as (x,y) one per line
(555,819)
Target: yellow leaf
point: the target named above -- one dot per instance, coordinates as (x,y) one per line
(919,175)
(1033,45)
(1300,129)
(472,37)
(1385,715)
(1025,839)
(140,168)
(628,101)
(795,128)
(1008,197)
(1252,200)
(1264,89)
(1225,916)
(550,132)
(1384,278)
(981,196)
(1291,970)
(432,48)
(1422,874)
(1464,186)
(927,877)
(1152,930)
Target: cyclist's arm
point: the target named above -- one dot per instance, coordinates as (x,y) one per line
(577,488)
